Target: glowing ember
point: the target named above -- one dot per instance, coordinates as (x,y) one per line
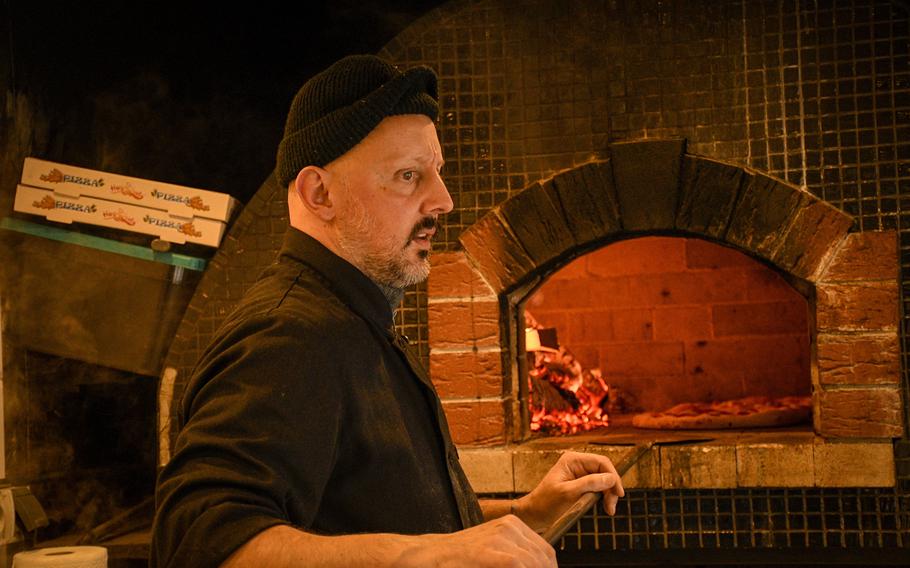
(563,397)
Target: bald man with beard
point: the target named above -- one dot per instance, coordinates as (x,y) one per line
(311,434)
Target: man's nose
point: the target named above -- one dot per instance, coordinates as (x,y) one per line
(438,201)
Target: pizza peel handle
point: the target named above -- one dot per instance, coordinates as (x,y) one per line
(570,517)
(586,501)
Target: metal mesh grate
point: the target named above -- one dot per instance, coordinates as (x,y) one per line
(746,518)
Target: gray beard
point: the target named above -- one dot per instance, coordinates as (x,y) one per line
(392,295)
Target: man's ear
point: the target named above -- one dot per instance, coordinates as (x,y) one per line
(311,187)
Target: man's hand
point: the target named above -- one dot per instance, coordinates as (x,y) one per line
(573,475)
(506,541)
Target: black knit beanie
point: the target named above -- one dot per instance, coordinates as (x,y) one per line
(337,108)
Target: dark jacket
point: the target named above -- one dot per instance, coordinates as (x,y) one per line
(307,409)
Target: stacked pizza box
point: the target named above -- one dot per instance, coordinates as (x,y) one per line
(173,213)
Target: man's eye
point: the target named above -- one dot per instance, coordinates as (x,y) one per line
(408,176)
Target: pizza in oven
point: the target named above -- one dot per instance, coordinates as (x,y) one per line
(748,412)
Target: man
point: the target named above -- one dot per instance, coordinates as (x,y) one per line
(312,435)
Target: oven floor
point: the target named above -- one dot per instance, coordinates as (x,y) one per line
(621,432)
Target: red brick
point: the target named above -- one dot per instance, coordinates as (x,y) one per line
(645,255)
(860,413)
(452,276)
(735,382)
(578,268)
(864,306)
(586,354)
(643,359)
(650,290)
(632,325)
(764,284)
(816,231)
(557,319)
(766,318)
(464,375)
(494,249)
(588,326)
(858,360)
(463,324)
(563,294)
(705,254)
(611,292)
(656,393)
(685,323)
(694,287)
(476,423)
(570,332)
(711,386)
(778,380)
(718,357)
(865,256)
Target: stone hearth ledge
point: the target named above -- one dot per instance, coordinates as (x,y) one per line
(731,459)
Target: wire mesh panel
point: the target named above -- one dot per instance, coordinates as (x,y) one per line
(746,518)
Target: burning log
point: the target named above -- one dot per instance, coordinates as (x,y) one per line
(548,395)
(563,397)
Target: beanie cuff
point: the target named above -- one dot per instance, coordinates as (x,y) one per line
(335,133)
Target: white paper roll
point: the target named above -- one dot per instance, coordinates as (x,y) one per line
(62,557)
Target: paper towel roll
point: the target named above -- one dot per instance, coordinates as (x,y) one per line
(62,557)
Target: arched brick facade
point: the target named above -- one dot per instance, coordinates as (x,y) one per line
(653,187)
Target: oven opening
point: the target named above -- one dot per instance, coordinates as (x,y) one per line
(664,324)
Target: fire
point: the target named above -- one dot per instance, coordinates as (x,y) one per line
(563,397)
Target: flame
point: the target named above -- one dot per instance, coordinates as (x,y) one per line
(585,391)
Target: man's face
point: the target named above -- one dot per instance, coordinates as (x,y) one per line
(388,195)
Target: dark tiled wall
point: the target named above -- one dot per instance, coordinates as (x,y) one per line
(817,94)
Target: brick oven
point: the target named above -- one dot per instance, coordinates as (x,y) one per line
(848,281)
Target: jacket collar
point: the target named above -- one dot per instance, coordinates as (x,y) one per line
(346,281)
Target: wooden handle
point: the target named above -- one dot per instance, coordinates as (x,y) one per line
(570,517)
(586,501)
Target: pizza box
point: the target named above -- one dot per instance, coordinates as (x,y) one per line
(67,209)
(175,199)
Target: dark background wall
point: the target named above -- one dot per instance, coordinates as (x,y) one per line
(193,93)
